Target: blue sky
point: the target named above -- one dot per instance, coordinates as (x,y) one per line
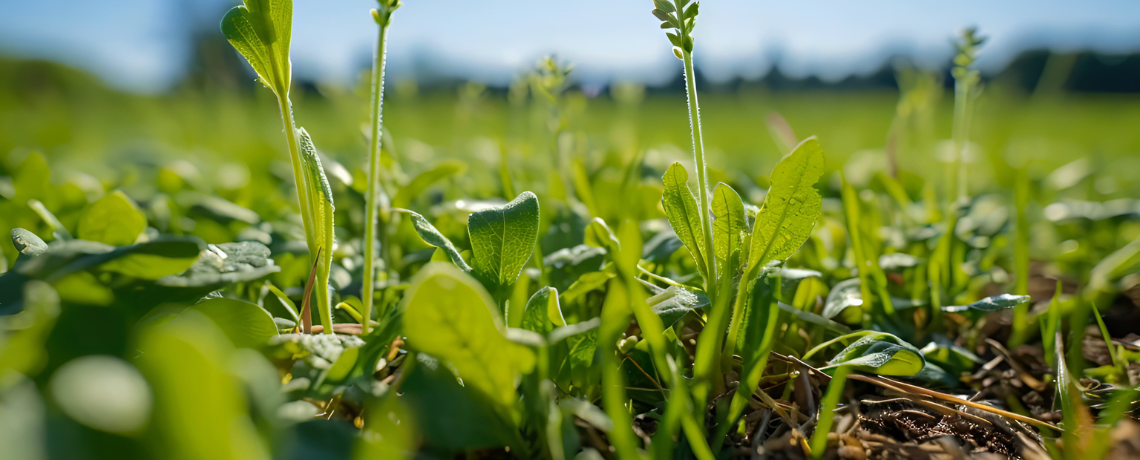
(141,44)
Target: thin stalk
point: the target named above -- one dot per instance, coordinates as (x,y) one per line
(702,171)
(827,413)
(961,133)
(371,206)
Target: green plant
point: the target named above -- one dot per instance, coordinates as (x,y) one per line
(383,18)
(261,31)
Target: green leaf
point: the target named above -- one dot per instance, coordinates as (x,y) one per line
(222,264)
(247,325)
(672,303)
(988,304)
(542,313)
(586,283)
(599,235)
(664,5)
(790,209)
(1111,268)
(431,390)
(322,210)
(447,314)
(730,224)
(881,353)
(845,295)
(503,239)
(156,259)
(113,220)
(433,237)
(28,243)
(261,31)
(191,369)
(684,214)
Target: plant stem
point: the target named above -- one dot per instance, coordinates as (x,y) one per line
(303,200)
(702,171)
(827,412)
(371,206)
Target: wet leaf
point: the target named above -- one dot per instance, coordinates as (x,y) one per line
(791,207)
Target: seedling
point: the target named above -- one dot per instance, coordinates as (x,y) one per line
(261,31)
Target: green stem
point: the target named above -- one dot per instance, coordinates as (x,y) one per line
(305,207)
(371,206)
(827,412)
(702,171)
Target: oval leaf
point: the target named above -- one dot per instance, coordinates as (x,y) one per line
(503,238)
(113,220)
(450,316)
(246,324)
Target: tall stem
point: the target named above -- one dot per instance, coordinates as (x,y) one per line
(702,172)
(371,205)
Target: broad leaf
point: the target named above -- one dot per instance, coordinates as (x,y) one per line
(503,238)
(881,353)
(791,207)
(113,220)
(261,31)
(247,325)
(190,367)
(225,263)
(684,214)
(433,237)
(449,315)
(155,259)
(730,224)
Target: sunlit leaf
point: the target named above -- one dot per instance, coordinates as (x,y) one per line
(791,207)
(881,353)
(447,314)
(247,325)
(684,214)
(729,226)
(113,220)
(433,237)
(503,238)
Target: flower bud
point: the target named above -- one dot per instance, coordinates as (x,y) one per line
(677,52)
